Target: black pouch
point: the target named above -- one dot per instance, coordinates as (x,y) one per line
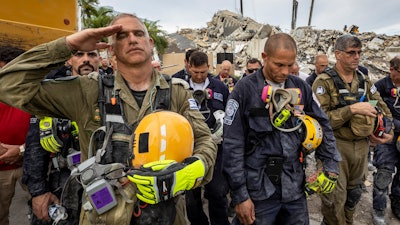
(274,169)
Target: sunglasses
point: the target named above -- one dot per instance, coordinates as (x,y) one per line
(252,70)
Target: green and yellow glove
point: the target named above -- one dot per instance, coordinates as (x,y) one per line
(162,180)
(322,184)
(48,135)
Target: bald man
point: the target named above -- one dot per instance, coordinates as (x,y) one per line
(224,76)
(265,175)
(321,63)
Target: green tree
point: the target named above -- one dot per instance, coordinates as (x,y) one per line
(157,34)
(88,9)
(100,18)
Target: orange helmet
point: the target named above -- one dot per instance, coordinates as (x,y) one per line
(162,135)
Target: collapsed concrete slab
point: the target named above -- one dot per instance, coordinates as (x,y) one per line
(245,38)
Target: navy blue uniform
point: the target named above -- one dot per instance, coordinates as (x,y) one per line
(217,189)
(386,156)
(36,174)
(182,74)
(250,141)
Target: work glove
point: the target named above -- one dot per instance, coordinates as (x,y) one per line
(74,129)
(217,131)
(162,180)
(321,184)
(48,135)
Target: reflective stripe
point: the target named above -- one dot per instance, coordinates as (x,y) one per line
(114,118)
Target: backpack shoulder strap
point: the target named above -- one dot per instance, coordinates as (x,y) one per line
(163,96)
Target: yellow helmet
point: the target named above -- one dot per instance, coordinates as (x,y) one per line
(313,133)
(162,135)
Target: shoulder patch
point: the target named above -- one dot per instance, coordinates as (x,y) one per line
(193,104)
(231,108)
(373,89)
(181,82)
(218,96)
(320,90)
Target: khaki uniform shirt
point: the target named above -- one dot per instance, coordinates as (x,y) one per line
(21,86)
(327,94)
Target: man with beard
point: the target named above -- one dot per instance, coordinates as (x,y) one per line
(46,188)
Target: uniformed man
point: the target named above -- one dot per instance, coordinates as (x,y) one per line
(263,142)
(346,96)
(211,96)
(53,148)
(387,156)
(135,88)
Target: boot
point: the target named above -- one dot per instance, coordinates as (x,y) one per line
(378,217)
(395,204)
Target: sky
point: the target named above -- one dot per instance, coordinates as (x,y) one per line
(381,17)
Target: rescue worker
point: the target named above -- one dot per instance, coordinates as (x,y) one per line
(134,93)
(262,153)
(46,187)
(252,65)
(211,96)
(345,94)
(185,73)
(387,156)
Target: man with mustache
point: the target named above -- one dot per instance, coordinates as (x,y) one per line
(46,189)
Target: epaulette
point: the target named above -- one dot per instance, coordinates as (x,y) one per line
(181,82)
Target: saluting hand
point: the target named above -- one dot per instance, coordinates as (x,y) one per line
(88,39)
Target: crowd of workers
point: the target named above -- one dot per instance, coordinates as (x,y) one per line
(101,145)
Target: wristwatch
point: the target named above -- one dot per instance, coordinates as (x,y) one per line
(21,150)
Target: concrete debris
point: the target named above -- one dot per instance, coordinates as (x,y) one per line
(246,38)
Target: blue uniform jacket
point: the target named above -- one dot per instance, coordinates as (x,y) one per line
(217,101)
(385,86)
(250,139)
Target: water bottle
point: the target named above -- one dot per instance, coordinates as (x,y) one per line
(57,212)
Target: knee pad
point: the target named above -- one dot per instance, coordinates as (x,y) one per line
(382,179)
(353,197)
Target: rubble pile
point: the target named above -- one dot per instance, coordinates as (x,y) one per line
(245,38)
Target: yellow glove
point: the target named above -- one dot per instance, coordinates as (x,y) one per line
(48,135)
(74,128)
(322,184)
(163,180)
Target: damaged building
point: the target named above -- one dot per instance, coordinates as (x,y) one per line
(228,32)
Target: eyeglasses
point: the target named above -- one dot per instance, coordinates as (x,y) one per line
(252,70)
(352,53)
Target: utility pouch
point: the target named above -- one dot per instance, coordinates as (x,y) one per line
(274,169)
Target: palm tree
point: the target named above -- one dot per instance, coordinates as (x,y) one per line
(158,35)
(100,18)
(88,8)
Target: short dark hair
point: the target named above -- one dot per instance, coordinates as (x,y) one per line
(188,53)
(347,41)
(198,58)
(395,62)
(253,60)
(8,53)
